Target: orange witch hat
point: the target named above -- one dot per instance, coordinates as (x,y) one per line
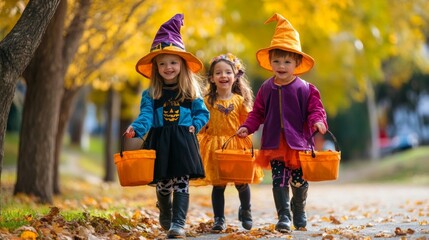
(285,38)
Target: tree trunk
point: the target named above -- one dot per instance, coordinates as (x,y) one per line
(45,86)
(125,107)
(65,111)
(71,44)
(373,122)
(77,119)
(16,51)
(112,113)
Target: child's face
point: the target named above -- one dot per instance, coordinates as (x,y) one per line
(169,67)
(283,68)
(223,76)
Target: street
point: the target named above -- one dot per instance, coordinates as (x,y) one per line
(334,211)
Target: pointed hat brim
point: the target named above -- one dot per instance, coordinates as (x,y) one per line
(168,40)
(285,38)
(144,65)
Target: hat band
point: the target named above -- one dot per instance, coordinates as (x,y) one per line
(163,45)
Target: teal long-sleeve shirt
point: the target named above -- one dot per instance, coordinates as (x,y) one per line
(152,115)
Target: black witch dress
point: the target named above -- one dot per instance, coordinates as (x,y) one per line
(177,149)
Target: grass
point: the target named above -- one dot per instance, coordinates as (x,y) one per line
(407,167)
(78,197)
(19,214)
(11,149)
(15,218)
(16,211)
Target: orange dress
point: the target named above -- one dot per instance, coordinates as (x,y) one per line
(226,116)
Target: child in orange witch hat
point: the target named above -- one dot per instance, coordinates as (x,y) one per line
(289,108)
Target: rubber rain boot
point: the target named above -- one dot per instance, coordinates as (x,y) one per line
(245,217)
(281,200)
(298,203)
(218,203)
(165,206)
(180,210)
(244,212)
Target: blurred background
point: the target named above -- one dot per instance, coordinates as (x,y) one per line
(372,69)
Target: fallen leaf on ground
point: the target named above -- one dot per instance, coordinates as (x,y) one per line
(334,220)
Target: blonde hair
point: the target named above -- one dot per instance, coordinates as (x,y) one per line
(188,83)
(241,86)
(282,53)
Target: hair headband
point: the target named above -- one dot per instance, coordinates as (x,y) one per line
(232,59)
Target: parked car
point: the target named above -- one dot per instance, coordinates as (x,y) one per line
(404,141)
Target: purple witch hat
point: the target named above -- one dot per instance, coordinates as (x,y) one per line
(168,41)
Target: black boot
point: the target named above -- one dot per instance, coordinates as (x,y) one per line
(245,217)
(244,212)
(164,206)
(218,203)
(218,225)
(180,210)
(298,202)
(281,199)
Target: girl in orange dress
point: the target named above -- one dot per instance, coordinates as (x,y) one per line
(229,99)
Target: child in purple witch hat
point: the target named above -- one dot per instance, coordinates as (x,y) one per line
(174,111)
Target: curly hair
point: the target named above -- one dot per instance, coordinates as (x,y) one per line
(241,86)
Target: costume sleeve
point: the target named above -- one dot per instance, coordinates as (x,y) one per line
(205,127)
(200,114)
(257,116)
(145,119)
(315,109)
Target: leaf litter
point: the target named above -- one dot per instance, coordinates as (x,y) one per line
(141,222)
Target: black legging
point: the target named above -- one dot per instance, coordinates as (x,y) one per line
(218,198)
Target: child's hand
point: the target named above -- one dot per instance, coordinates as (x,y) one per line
(320,127)
(129,133)
(192,129)
(242,132)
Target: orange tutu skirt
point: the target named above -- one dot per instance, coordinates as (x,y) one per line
(283,153)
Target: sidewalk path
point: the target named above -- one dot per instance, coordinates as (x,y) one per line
(334,211)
